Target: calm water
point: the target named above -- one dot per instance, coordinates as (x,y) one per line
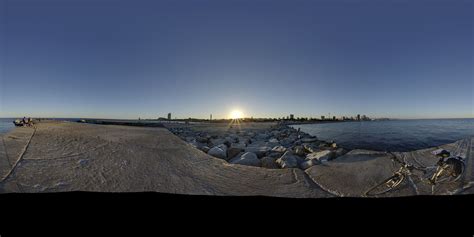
(393,135)
(6,124)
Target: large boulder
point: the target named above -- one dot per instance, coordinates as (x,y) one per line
(248,158)
(280,149)
(273,140)
(261,137)
(205,149)
(300,151)
(202,139)
(216,141)
(287,142)
(240,145)
(231,139)
(321,155)
(219,151)
(308,163)
(269,162)
(233,151)
(311,147)
(260,151)
(287,160)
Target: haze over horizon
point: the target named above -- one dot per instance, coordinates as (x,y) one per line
(142,58)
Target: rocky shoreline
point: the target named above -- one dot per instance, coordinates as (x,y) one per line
(276,147)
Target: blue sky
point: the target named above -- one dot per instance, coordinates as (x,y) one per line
(130,59)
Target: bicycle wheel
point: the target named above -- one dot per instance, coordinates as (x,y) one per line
(386,185)
(450,172)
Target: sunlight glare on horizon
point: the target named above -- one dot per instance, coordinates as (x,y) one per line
(236,114)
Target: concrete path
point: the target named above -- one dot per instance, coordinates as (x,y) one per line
(108,158)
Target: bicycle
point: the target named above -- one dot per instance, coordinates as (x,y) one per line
(447,170)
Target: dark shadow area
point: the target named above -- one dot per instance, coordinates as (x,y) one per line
(48,212)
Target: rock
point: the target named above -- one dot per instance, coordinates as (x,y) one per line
(287,142)
(260,151)
(280,149)
(227,143)
(261,136)
(240,145)
(233,151)
(320,155)
(323,145)
(333,145)
(216,141)
(308,163)
(272,144)
(287,160)
(231,139)
(274,154)
(300,151)
(339,152)
(310,148)
(309,139)
(197,145)
(202,139)
(205,149)
(273,140)
(248,158)
(219,151)
(269,162)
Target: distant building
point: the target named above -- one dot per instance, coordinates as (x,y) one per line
(358,117)
(169,116)
(292,116)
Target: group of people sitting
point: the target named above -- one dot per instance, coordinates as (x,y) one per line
(25,122)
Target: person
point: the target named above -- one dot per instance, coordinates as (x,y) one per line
(23,120)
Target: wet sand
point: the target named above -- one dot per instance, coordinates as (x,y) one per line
(65,156)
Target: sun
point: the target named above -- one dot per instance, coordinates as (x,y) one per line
(236,114)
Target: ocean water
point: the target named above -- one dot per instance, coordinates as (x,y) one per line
(6,124)
(392,135)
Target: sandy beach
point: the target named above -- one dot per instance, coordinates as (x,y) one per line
(67,156)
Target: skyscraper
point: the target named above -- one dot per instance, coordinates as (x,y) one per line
(169,116)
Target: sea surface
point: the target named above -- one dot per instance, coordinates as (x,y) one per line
(392,135)
(6,124)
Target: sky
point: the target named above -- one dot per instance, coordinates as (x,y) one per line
(193,58)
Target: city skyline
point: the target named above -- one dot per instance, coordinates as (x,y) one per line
(129,59)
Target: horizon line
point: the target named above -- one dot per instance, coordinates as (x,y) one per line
(278,118)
